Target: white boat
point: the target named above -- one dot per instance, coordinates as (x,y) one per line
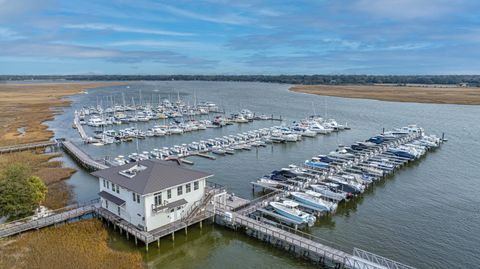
(289,210)
(218,150)
(314,201)
(268,182)
(95,122)
(175,130)
(325,191)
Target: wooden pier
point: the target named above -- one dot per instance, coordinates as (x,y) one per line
(53,218)
(81,157)
(288,240)
(79,127)
(30,146)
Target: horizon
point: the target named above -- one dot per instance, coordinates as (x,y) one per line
(222,37)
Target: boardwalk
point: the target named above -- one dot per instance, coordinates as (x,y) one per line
(23,147)
(81,157)
(79,127)
(58,216)
(279,235)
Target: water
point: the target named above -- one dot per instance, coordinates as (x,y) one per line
(426,215)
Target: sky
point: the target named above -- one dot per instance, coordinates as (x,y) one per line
(383,37)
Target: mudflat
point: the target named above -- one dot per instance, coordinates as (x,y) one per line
(25,107)
(414,94)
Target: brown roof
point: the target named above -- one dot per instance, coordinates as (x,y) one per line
(158,175)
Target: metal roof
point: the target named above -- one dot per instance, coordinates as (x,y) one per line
(155,176)
(112,198)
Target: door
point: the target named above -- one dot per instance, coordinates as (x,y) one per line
(171,215)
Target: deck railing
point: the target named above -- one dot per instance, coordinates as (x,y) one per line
(52,217)
(376,259)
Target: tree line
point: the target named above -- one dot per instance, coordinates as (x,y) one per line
(472,80)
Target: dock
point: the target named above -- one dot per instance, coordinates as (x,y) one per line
(294,241)
(79,127)
(58,216)
(30,146)
(81,157)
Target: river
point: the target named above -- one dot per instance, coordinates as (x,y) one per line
(427,215)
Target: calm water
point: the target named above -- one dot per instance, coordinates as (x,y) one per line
(427,215)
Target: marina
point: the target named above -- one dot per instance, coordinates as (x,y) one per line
(294,202)
(232,172)
(170,118)
(228,145)
(239,134)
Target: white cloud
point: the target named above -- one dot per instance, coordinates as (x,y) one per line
(409,9)
(8,35)
(126,29)
(165,44)
(233,19)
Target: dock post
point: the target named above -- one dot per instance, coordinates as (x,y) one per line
(200,225)
(186,230)
(158,242)
(127,234)
(136,243)
(146,246)
(173,236)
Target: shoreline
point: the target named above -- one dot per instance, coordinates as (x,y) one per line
(27,107)
(410,94)
(24,111)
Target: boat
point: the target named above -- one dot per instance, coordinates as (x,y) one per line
(314,201)
(327,193)
(218,150)
(229,151)
(289,210)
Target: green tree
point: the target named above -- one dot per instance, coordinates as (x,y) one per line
(20,192)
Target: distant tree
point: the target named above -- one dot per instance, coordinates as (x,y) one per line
(20,192)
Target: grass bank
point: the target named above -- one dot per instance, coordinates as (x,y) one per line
(415,94)
(82,244)
(25,107)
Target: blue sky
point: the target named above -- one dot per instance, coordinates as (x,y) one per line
(240,37)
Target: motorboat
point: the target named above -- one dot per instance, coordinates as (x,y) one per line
(314,200)
(289,210)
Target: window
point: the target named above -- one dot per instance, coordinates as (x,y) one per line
(158,198)
(188,188)
(104,184)
(179,190)
(195,185)
(138,198)
(133,194)
(118,210)
(113,187)
(117,189)
(106,203)
(169,194)
(108,184)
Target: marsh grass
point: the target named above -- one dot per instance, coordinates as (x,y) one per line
(83,244)
(29,106)
(50,172)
